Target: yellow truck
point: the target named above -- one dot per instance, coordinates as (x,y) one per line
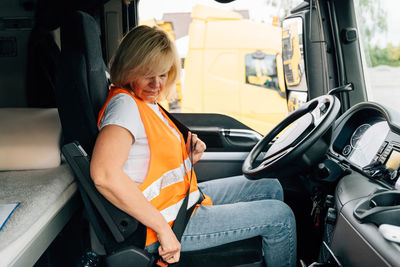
(234,67)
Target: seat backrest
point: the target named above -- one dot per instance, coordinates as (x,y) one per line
(81,83)
(114,228)
(81,90)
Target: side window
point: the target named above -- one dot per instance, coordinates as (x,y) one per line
(378,27)
(261,70)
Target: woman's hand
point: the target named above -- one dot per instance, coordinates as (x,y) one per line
(170,248)
(195,147)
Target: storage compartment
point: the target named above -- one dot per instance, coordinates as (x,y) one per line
(382,207)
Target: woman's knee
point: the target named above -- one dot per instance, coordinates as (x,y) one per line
(288,214)
(278,212)
(271,187)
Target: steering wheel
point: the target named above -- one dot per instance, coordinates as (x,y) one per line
(300,145)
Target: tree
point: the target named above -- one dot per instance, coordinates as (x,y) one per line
(371,14)
(283,7)
(372,17)
(389,55)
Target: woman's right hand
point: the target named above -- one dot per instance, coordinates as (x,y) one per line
(170,248)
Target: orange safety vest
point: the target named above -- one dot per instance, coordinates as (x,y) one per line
(167,180)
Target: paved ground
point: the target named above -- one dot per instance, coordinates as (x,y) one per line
(385,83)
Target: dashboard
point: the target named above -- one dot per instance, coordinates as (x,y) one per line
(368,141)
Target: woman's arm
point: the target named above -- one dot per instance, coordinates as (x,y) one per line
(109,156)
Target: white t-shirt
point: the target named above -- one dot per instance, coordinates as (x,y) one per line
(122,110)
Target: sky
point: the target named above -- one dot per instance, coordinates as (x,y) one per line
(260,11)
(154,9)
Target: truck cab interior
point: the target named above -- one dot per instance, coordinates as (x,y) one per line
(337,153)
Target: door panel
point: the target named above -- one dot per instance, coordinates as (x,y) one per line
(228,143)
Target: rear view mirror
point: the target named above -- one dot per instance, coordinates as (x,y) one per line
(292,51)
(293,61)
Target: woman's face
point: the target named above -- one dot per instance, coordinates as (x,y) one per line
(148,88)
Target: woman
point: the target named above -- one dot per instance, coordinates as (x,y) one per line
(140,163)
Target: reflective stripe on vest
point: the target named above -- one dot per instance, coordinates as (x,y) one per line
(167,179)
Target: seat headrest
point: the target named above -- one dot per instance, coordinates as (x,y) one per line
(29,138)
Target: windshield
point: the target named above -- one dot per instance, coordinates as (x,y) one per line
(379,28)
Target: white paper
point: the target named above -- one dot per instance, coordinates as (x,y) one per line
(5,211)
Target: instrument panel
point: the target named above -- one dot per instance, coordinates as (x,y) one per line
(366,139)
(365,142)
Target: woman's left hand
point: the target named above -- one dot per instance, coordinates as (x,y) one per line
(195,147)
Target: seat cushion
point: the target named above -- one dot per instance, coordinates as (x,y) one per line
(246,252)
(47,201)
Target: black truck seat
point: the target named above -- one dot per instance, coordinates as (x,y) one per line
(81,89)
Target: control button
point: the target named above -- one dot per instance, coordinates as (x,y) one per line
(323,108)
(323,171)
(331,216)
(382,148)
(346,150)
(394,175)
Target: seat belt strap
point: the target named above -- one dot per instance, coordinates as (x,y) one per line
(184,213)
(182,218)
(182,128)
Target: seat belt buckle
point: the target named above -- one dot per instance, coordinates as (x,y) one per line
(161,263)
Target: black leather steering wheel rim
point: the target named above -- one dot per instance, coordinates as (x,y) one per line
(307,124)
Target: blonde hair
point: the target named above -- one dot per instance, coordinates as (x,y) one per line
(145,51)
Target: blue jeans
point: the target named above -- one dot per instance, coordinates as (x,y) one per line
(243,209)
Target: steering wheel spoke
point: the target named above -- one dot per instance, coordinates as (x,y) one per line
(267,160)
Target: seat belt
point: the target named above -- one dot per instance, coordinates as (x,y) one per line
(184,214)
(181,127)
